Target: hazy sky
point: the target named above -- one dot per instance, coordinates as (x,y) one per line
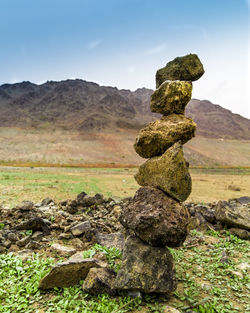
(123,42)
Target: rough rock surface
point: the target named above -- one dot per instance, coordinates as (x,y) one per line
(113,240)
(81,228)
(241,233)
(156,218)
(63,250)
(68,273)
(171,97)
(168,172)
(155,138)
(34,224)
(188,67)
(145,268)
(233,214)
(99,280)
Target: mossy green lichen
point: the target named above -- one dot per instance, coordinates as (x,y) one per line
(155,138)
(188,67)
(168,172)
(171,97)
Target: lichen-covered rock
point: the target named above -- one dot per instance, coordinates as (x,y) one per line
(171,97)
(68,273)
(145,268)
(168,172)
(233,214)
(155,138)
(188,67)
(156,218)
(99,280)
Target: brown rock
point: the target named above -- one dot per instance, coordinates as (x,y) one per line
(156,218)
(233,214)
(171,97)
(168,172)
(68,273)
(241,233)
(155,138)
(99,280)
(145,268)
(188,67)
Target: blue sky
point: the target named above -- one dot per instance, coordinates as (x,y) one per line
(123,42)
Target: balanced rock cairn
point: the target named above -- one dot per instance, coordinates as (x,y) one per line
(155,217)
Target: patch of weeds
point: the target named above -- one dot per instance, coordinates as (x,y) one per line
(19,291)
(112,255)
(2,225)
(206,308)
(19,282)
(213,233)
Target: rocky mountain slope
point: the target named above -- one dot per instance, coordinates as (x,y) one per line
(86,106)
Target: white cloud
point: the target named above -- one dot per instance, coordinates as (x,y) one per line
(93,44)
(156,49)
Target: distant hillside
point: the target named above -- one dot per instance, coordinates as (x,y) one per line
(86,106)
(77,122)
(213,121)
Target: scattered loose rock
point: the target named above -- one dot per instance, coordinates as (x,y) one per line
(233,214)
(34,224)
(63,250)
(68,273)
(81,228)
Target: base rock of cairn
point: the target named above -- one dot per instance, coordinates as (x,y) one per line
(145,268)
(155,218)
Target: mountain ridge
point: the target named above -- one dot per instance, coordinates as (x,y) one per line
(83,105)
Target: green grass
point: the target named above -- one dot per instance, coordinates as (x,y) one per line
(35,184)
(112,255)
(19,291)
(205,284)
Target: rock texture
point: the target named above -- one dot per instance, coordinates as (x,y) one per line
(155,138)
(156,218)
(171,97)
(145,268)
(168,172)
(188,67)
(68,273)
(233,214)
(99,280)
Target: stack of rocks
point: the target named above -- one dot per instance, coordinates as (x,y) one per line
(155,217)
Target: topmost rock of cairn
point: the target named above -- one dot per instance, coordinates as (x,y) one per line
(188,68)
